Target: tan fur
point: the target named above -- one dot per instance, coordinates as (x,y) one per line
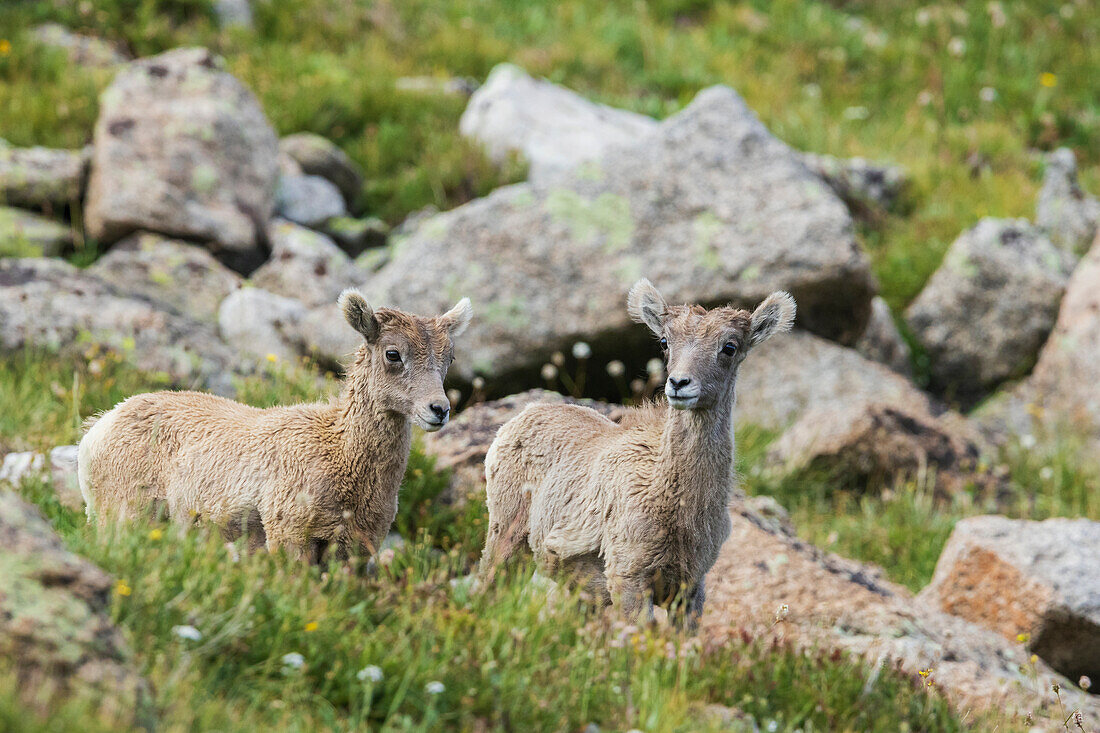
(637,509)
(300,477)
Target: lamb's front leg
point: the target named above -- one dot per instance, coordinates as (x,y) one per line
(693,608)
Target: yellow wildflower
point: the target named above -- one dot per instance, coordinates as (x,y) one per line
(272,358)
(925,672)
(1034,658)
(122,589)
(1023,638)
(156,534)
(1048,79)
(311,626)
(5,47)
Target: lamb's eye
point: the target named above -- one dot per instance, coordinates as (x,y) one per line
(729,348)
(393,355)
(664,344)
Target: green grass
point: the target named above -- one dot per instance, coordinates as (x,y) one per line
(883,80)
(511,657)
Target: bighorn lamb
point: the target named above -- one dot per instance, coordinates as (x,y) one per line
(301,477)
(637,510)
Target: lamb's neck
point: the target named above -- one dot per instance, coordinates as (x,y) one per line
(375,442)
(696,457)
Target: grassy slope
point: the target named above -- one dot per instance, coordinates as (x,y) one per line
(509,657)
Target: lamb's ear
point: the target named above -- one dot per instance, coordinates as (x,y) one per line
(645,305)
(359,314)
(774,315)
(458,318)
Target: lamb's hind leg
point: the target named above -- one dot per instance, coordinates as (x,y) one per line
(509,523)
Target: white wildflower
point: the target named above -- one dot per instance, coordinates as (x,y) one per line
(370,673)
(293,660)
(1027,441)
(997,15)
(549,372)
(581,350)
(434,687)
(478,383)
(385,557)
(924,17)
(782,612)
(557,359)
(987,94)
(856,113)
(454,396)
(811,90)
(616,368)
(1084,683)
(187,632)
(655,367)
(924,98)
(956,46)
(1046,473)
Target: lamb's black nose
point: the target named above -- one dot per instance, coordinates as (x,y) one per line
(441,410)
(679,384)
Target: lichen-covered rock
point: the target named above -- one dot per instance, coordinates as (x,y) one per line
(882,342)
(863,184)
(308,200)
(178,276)
(710,206)
(1069,215)
(873,445)
(58,466)
(55,628)
(49,304)
(770,586)
(319,156)
(40,178)
(356,236)
(555,128)
(1030,581)
(262,324)
(23,234)
(182,148)
(82,50)
(306,265)
(985,313)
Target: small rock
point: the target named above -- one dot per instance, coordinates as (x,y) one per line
(554,128)
(23,234)
(308,200)
(863,184)
(62,472)
(1034,583)
(262,324)
(882,342)
(306,265)
(56,634)
(456,87)
(175,275)
(184,149)
(985,313)
(82,50)
(41,178)
(1068,215)
(319,156)
(355,236)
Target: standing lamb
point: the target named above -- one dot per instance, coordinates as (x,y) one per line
(301,477)
(636,510)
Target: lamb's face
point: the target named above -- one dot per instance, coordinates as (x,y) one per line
(406,357)
(704,348)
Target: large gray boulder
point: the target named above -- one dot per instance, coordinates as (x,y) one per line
(1068,214)
(58,466)
(1035,581)
(177,276)
(319,156)
(1063,391)
(305,265)
(56,634)
(985,313)
(40,178)
(863,184)
(182,148)
(554,128)
(24,234)
(711,207)
(882,342)
(49,304)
